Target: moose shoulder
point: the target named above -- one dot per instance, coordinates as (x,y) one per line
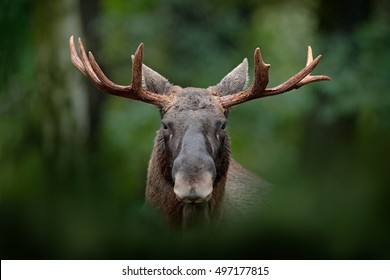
(191,177)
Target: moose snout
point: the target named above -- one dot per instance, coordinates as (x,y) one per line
(193,191)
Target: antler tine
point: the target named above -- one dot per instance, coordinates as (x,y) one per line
(309,79)
(309,58)
(161,101)
(258,88)
(294,80)
(106,84)
(90,68)
(261,73)
(89,72)
(75,58)
(137,67)
(302,78)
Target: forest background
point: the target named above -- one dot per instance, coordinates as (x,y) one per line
(73,161)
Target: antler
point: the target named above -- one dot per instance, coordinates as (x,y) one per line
(259,89)
(89,67)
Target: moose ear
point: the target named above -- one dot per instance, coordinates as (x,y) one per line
(153,81)
(235,81)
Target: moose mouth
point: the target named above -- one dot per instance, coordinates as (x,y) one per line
(194,199)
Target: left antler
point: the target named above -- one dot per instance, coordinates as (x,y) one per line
(259,89)
(87,65)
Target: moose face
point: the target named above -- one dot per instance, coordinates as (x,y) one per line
(196,143)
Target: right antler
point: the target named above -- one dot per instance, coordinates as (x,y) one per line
(89,67)
(259,89)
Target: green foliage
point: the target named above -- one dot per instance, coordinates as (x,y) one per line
(325,147)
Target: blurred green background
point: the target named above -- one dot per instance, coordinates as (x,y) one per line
(73,161)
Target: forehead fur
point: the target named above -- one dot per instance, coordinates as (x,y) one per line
(195,99)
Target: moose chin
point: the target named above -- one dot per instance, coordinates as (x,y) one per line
(192,179)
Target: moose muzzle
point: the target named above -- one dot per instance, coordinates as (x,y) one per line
(198,190)
(193,170)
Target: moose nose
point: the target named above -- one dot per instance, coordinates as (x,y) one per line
(198,191)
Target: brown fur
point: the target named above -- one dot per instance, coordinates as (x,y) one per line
(236,194)
(159,190)
(235,191)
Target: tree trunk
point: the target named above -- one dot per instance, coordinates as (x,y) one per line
(60,95)
(89,12)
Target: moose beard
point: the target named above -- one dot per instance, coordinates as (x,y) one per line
(196,215)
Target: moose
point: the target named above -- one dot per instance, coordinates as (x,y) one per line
(191,178)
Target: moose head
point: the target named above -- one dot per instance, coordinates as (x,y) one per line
(191,177)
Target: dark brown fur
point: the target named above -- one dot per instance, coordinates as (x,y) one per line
(231,182)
